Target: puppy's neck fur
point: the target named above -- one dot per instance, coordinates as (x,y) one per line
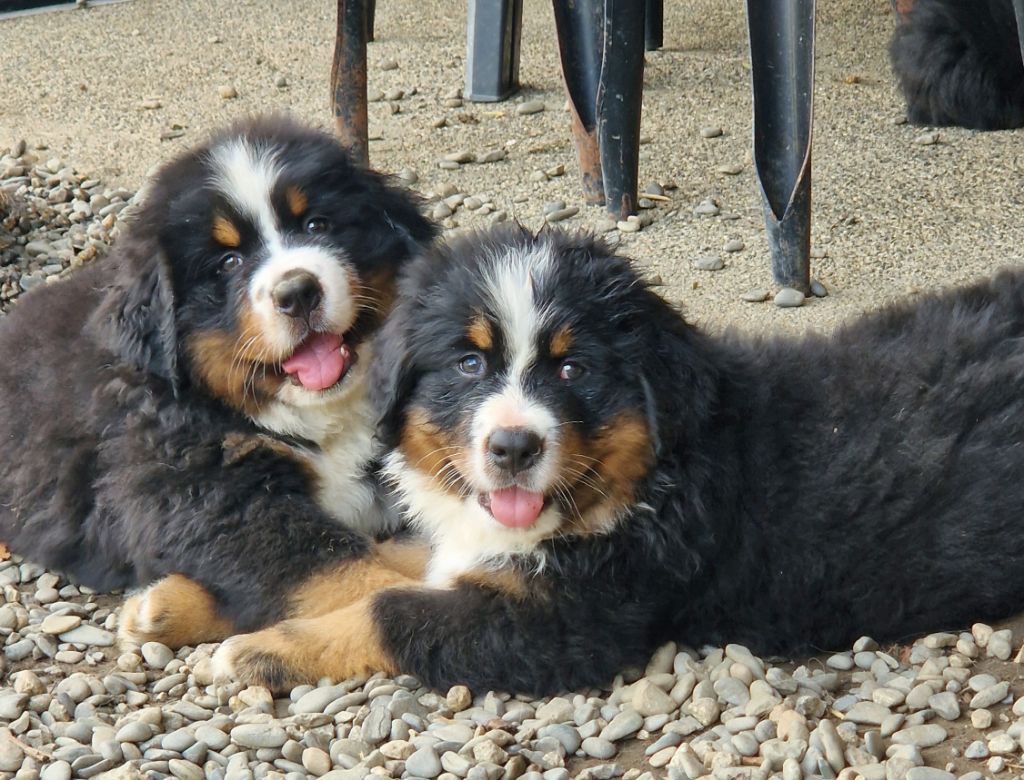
(342,427)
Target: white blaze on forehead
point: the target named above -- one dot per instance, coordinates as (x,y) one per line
(246,174)
(511,284)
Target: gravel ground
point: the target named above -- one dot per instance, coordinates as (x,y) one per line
(898,210)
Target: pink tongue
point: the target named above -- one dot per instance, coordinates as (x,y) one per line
(319,361)
(515,507)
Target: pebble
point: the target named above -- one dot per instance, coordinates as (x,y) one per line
(734,245)
(993,694)
(946,705)
(923,736)
(424,763)
(818,290)
(258,735)
(388,64)
(156,654)
(227,92)
(730,169)
(929,773)
(788,298)
(628,225)
(529,107)
(927,139)
(707,208)
(709,263)
(596,747)
(86,634)
(559,215)
(755,296)
(710,131)
(1000,645)
(625,724)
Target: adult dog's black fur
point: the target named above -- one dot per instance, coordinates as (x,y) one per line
(787,494)
(192,404)
(958,62)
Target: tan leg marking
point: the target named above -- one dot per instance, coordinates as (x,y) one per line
(174,611)
(340,644)
(407,558)
(332,589)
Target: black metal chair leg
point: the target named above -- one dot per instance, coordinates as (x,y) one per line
(602,48)
(371,18)
(580,30)
(1018,10)
(782,67)
(654,24)
(619,99)
(493,32)
(348,79)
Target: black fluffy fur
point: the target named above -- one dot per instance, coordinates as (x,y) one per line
(804,492)
(958,62)
(116,471)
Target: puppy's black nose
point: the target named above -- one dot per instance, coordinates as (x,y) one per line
(514,449)
(297,294)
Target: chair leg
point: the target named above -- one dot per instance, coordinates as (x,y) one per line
(348,79)
(902,7)
(493,32)
(601,43)
(371,18)
(580,30)
(1018,10)
(782,67)
(654,24)
(619,101)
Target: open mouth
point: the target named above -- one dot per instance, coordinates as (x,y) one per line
(513,507)
(320,362)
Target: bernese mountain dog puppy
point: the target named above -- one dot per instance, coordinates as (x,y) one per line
(596,476)
(195,404)
(958,62)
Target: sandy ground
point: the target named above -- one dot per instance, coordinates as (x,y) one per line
(894,217)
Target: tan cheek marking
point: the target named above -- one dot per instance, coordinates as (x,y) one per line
(227,363)
(225,233)
(297,200)
(619,456)
(431,451)
(561,342)
(479,333)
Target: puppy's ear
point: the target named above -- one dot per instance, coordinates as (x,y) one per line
(137,313)
(392,376)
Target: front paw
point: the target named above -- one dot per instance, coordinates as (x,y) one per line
(259,658)
(174,611)
(339,645)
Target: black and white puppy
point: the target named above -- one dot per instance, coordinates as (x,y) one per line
(196,403)
(598,477)
(958,62)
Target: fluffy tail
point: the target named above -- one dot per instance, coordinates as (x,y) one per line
(959,63)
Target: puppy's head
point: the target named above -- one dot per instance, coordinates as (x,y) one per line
(259,264)
(526,386)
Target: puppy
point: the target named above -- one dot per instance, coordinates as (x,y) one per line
(196,404)
(597,477)
(959,63)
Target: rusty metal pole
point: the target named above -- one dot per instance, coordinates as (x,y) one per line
(782,74)
(580,29)
(348,79)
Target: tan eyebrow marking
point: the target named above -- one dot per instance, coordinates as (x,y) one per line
(225,232)
(479,333)
(561,341)
(297,200)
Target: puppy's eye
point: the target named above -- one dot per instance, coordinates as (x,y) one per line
(472,365)
(316,225)
(570,371)
(230,262)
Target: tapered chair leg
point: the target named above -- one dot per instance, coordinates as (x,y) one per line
(348,79)
(1018,10)
(493,32)
(654,24)
(601,43)
(782,68)
(371,18)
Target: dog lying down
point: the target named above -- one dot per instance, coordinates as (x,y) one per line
(597,477)
(196,404)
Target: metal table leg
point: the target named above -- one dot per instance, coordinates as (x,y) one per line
(1018,10)
(493,31)
(348,79)
(782,67)
(601,43)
